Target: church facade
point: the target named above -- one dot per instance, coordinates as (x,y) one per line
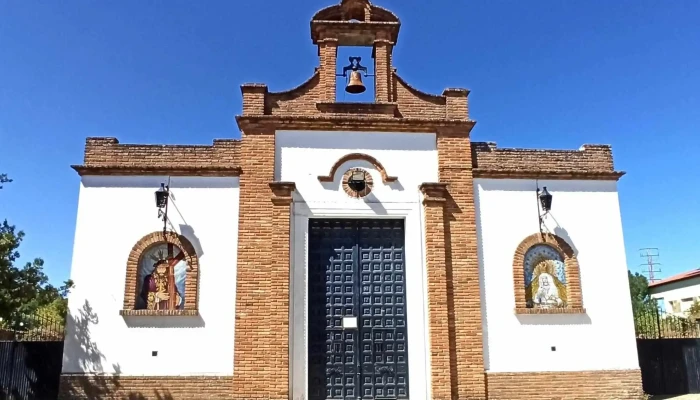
(346,250)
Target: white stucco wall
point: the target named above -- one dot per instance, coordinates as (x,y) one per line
(677,291)
(587,215)
(113,214)
(301,158)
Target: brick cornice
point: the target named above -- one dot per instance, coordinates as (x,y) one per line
(282,189)
(271,123)
(434,192)
(386,178)
(128,170)
(159,313)
(106,156)
(573,275)
(282,192)
(568,310)
(547,174)
(589,162)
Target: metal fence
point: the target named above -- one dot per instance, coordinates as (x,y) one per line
(656,324)
(31,353)
(31,328)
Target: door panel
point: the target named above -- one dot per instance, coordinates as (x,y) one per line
(357,310)
(383,319)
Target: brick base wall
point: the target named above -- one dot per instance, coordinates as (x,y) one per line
(145,387)
(579,385)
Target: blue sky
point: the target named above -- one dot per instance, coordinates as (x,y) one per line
(544,74)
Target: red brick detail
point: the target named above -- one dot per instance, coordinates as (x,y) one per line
(254,98)
(383,71)
(593,162)
(457,104)
(159,313)
(406,109)
(328,53)
(573,274)
(262,295)
(434,192)
(78,386)
(300,100)
(132,265)
(118,170)
(416,104)
(579,385)
(371,22)
(463,303)
(282,191)
(441,324)
(369,183)
(347,123)
(567,310)
(386,178)
(371,110)
(360,10)
(279,271)
(105,156)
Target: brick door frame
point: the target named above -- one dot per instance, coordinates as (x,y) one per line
(416,287)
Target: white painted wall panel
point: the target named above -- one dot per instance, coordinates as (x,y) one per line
(587,215)
(303,156)
(113,214)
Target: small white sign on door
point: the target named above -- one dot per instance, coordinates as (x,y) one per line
(350,322)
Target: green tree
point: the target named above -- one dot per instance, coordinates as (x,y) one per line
(26,289)
(639,291)
(646,317)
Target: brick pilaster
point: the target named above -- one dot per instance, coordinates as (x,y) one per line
(434,209)
(328,53)
(279,273)
(462,266)
(258,356)
(382,70)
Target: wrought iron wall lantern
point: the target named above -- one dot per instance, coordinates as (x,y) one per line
(544,205)
(354,83)
(162,200)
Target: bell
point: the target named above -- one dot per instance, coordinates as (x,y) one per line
(355,85)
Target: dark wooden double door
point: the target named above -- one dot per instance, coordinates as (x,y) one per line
(357,347)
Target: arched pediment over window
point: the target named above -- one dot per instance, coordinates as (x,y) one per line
(546,276)
(386,178)
(162,274)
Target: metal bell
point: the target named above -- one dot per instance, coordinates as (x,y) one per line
(355,85)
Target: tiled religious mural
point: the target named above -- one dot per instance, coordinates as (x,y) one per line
(545,278)
(161,279)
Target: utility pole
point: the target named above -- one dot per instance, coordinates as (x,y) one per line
(651,266)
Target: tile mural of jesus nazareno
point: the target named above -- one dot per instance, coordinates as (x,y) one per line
(545,278)
(161,278)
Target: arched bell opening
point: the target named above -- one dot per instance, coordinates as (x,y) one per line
(355,74)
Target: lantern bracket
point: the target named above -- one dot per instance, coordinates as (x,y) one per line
(544,205)
(163,196)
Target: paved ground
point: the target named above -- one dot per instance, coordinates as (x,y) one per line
(684,397)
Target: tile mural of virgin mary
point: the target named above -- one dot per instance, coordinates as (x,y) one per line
(161,278)
(545,278)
